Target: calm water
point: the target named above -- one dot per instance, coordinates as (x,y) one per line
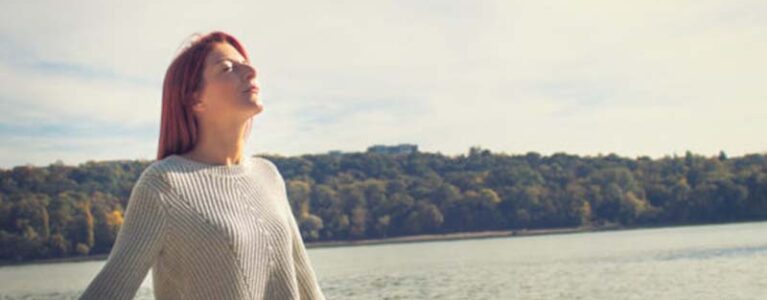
(699,262)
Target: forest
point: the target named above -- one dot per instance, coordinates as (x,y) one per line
(63,211)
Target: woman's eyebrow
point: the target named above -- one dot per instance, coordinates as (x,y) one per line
(228,58)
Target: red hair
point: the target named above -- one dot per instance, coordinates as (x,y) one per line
(178,127)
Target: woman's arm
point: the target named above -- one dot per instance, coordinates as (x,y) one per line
(137,244)
(308,287)
(307,281)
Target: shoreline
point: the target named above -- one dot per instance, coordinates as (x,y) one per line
(463,236)
(412,239)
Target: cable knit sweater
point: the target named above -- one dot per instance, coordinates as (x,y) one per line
(208,232)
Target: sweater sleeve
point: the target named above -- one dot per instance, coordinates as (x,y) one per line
(307,281)
(137,244)
(308,286)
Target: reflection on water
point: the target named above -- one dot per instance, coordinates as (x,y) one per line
(700,262)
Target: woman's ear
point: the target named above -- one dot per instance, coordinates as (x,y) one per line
(198,105)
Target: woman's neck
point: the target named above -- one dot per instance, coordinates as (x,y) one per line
(220,147)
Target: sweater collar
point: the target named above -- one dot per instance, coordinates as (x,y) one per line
(238,169)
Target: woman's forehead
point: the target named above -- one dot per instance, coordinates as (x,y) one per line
(223,51)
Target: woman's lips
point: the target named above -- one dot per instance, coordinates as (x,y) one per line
(252,89)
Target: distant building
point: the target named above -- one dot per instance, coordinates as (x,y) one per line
(335,153)
(398,149)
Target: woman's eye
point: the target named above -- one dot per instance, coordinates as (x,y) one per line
(227,66)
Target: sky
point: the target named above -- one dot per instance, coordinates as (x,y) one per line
(82,80)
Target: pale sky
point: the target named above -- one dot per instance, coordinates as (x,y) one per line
(82,80)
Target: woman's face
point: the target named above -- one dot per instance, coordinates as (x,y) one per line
(227,88)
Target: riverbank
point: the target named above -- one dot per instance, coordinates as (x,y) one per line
(393,240)
(463,236)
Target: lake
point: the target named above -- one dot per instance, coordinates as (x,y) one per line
(692,262)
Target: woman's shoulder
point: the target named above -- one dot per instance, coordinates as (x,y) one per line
(263,161)
(155,168)
(266,164)
(154,173)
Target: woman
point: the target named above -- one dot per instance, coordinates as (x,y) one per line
(210,221)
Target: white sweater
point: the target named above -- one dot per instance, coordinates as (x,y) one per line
(208,232)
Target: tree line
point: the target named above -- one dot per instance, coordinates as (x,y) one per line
(63,211)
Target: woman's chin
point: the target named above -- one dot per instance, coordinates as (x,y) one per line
(254,100)
(255,105)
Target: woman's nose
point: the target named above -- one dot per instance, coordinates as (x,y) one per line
(250,71)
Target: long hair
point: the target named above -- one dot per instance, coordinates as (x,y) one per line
(178,127)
